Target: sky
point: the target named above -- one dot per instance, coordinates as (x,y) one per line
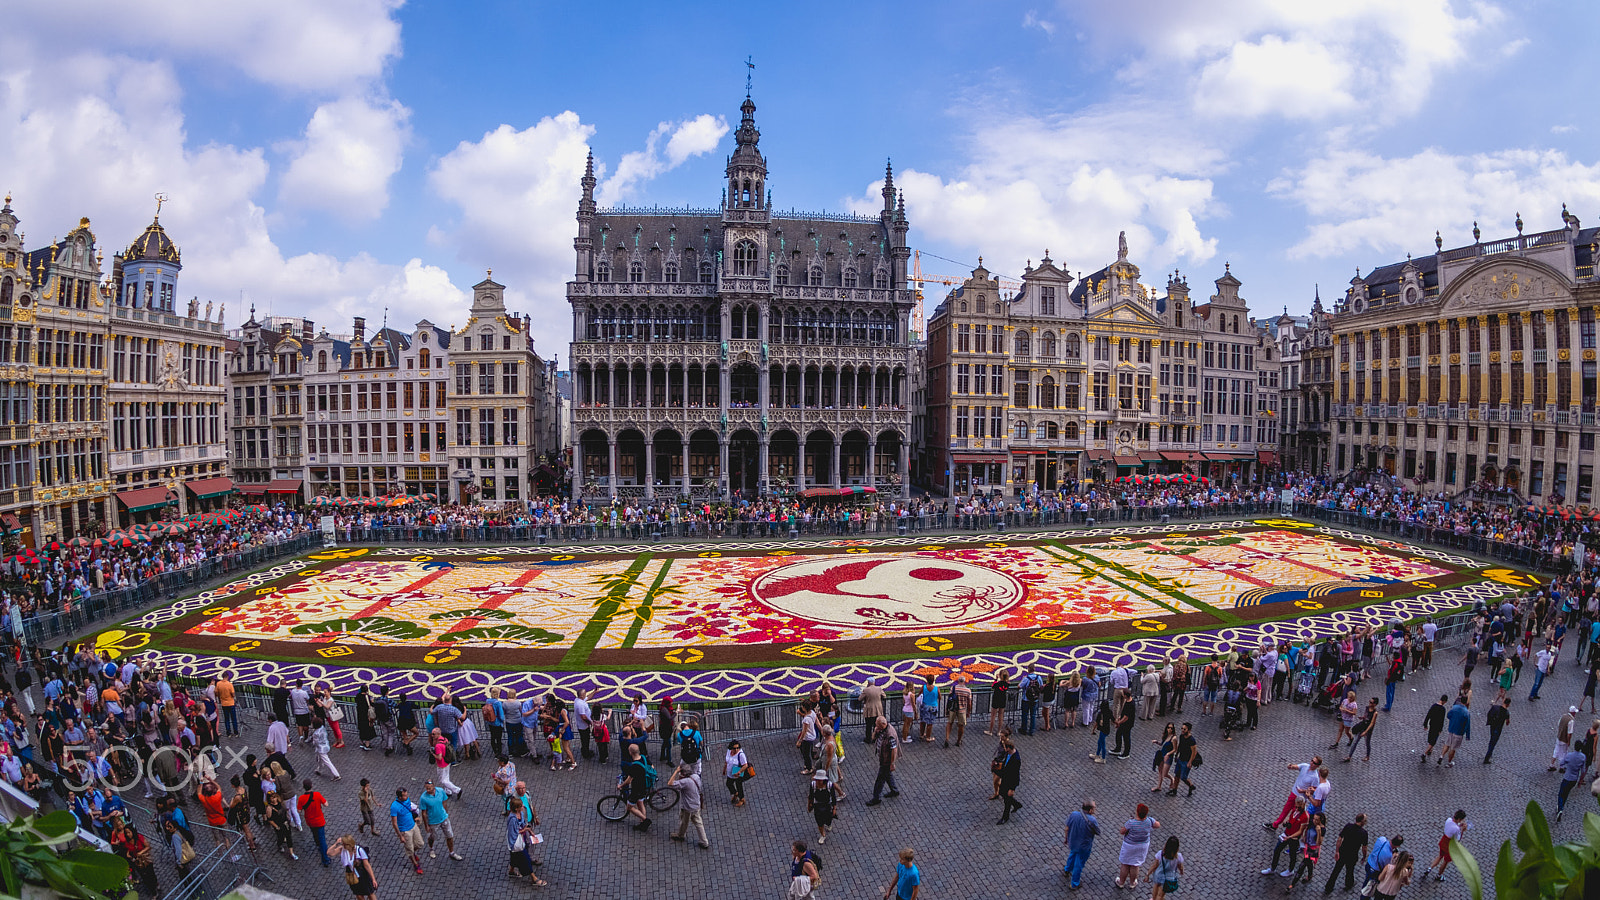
(334,159)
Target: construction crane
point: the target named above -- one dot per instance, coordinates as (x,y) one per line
(921,279)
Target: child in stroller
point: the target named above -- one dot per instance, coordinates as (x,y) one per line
(1232,705)
(1305,684)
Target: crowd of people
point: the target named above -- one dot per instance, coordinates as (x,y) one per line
(61,575)
(72,722)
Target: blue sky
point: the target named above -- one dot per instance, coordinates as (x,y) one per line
(332,160)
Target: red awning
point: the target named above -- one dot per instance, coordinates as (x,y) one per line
(1149,455)
(284,486)
(1267,457)
(144,498)
(1217,457)
(1180,456)
(976,460)
(1100,454)
(1129,461)
(251,488)
(210,487)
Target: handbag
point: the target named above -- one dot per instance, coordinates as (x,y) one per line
(350,876)
(187,856)
(1370,888)
(335,714)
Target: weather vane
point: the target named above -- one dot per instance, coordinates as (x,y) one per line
(750,65)
(160,199)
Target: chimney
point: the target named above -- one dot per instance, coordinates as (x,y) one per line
(307,331)
(360,330)
(285,328)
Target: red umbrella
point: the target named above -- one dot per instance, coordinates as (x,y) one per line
(80,541)
(55,546)
(172,529)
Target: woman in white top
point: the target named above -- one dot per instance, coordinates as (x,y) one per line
(353,860)
(736,770)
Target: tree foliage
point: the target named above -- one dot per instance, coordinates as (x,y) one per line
(475,613)
(30,852)
(1546,870)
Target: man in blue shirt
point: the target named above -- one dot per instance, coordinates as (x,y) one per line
(907,878)
(405,828)
(1028,689)
(1458,727)
(436,818)
(1082,827)
(1382,852)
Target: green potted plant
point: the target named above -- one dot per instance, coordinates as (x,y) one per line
(1546,870)
(32,863)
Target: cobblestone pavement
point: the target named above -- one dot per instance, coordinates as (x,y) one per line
(944,814)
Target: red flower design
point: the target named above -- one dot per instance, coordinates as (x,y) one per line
(700,627)
(1044,615)
(955,670)
(766,629)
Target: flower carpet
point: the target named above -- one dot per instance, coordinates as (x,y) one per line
(719,621)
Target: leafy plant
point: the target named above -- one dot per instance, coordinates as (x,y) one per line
(476,613)
(497,634)
(375,626)
(30,853)
(1546,871)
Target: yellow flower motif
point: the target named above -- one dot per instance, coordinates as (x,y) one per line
(244,646)
(932,547)
(340,553)
(1372,593)
(1148,625)
(1424,584)
(336,650)
(807,651)
(710,554)
(441,655)
(262,592)
(1511,577)
(684,655)
(422,559)
(997,544)
(1308,604)
(215,610)
(1051,634)
(934,644)
(490,558)
(117,642)
(562,558)
(858,550)
(781,553)
(1284,523)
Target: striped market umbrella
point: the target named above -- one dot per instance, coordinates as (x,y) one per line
(80,541)
(172,529)
(431,498)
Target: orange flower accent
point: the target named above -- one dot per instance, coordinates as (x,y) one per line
(955,670)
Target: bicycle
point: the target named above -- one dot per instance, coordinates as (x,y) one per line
(614,807)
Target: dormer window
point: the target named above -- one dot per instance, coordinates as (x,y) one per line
(602,273)
(636,272)
(706,273)
(670,273)
(850,278)
(781,276)
(880,279)
(814,276)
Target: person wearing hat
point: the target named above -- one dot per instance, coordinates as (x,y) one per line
(822,801)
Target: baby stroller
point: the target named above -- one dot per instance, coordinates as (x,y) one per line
(1305,685)
(1232,706)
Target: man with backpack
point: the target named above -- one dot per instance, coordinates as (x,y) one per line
(1032,688)
(383,715)
(690,745)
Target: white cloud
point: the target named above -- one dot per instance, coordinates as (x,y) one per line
(299,44)
(1069,185)
(351,148)
(1563,129)
(97,135)
(1031,19)
(517,192)
(685,139)
(1360,201)
(1296,79)
(1290,58)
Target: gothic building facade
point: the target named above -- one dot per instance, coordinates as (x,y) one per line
(739,349)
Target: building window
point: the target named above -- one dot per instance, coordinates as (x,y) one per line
(744,258)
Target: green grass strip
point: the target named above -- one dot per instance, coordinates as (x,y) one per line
(1136,578)
(609,603)
(642,611)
